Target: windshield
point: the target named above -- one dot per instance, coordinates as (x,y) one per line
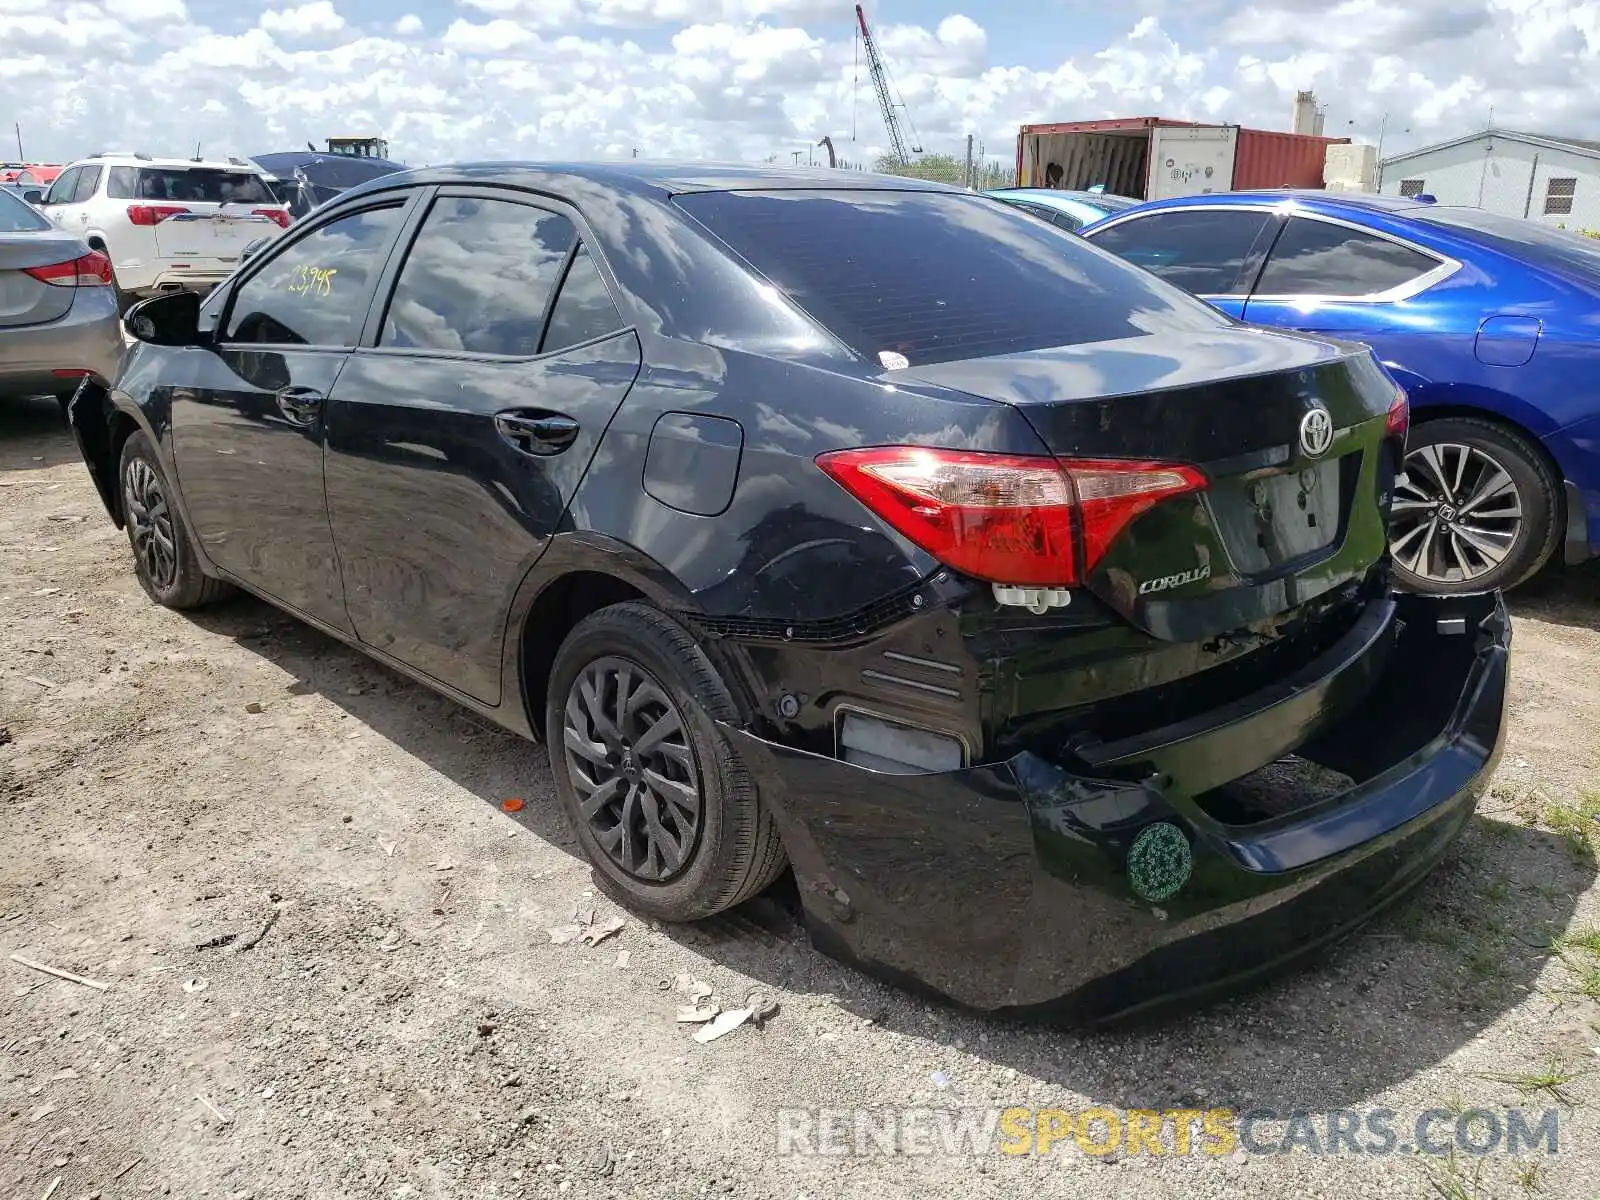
(1555,249)
(17,216)
(192,185)
(936,276)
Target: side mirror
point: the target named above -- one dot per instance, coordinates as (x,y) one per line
(250,250)
(33,196)
(172,319)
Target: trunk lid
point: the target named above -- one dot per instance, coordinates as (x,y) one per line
(25,300)
(1284,518)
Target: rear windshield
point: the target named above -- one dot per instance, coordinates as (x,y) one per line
(194,185)
(936,276)
(1554,249)
(17,216)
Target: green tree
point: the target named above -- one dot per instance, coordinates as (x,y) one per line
(947,168)
(942,168)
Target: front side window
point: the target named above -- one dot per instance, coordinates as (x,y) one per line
(1201,250)
(1314,258)
(478,278)
(61,190)
(315,291)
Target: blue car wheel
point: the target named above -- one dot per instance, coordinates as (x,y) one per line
(1477,511)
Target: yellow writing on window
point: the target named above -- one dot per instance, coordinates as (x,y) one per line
(312,281)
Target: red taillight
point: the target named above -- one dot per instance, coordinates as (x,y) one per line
(1005,518)
(1398,424)
(153,214)
(278,215)
(91,270)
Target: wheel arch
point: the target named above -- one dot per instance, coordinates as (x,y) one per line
(578,574)
(102,427)
(1425,409)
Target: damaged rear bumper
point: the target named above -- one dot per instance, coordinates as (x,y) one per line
(1005,887)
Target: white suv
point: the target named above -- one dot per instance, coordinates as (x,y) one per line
(166,223)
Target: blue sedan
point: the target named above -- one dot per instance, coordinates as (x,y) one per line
(1070,210)
(1490,323)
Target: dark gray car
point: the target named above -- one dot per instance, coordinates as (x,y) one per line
(58,310)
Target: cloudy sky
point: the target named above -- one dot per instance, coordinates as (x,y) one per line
(745,79)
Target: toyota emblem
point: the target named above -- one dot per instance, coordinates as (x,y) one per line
(1316,432)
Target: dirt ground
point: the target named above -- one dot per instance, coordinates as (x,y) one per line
(330,973)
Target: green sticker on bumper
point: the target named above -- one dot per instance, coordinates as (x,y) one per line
(1159,861)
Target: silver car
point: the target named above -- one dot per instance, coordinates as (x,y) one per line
(58,310)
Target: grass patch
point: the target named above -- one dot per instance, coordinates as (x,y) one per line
(1579,939)
(1576,824)
(1448,1180)
(1552,1081)
(1529,1178)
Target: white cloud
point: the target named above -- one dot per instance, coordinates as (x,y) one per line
(757,78)
(308,19)
(147,10)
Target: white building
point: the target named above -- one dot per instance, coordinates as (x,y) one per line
(1553,180)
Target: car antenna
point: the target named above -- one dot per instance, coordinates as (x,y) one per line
(197,152)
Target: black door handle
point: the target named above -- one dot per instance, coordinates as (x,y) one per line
(301,405)
(537,432)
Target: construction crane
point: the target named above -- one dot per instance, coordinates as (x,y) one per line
(880,84)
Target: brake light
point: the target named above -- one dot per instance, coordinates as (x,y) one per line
(153,214)
(280,216)
(90,270)
(1398,423)
(1005,518)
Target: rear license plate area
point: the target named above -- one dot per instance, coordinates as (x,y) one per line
(1273,519)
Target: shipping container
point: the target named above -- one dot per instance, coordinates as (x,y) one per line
(1153,157)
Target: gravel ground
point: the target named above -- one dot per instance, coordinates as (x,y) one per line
(330,973)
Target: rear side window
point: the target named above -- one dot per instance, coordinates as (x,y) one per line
(1314,258)
(1201,250)
(936,276)
(478,278)
(583,310)
(315,292)
(188,185)
(16,216)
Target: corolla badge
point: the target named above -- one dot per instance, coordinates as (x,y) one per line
(1166,583)
(1316,432)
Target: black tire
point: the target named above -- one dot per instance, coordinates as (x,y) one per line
(163,556)
(1536,496)
(735,851)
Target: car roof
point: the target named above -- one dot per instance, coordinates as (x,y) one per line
(1048,194)
(167,164)
(1312,198)
(668,178)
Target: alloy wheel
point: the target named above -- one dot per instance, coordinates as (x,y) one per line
(1458,515)
(628,755)
(150,521)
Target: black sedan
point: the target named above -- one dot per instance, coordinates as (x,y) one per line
(1035,614)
